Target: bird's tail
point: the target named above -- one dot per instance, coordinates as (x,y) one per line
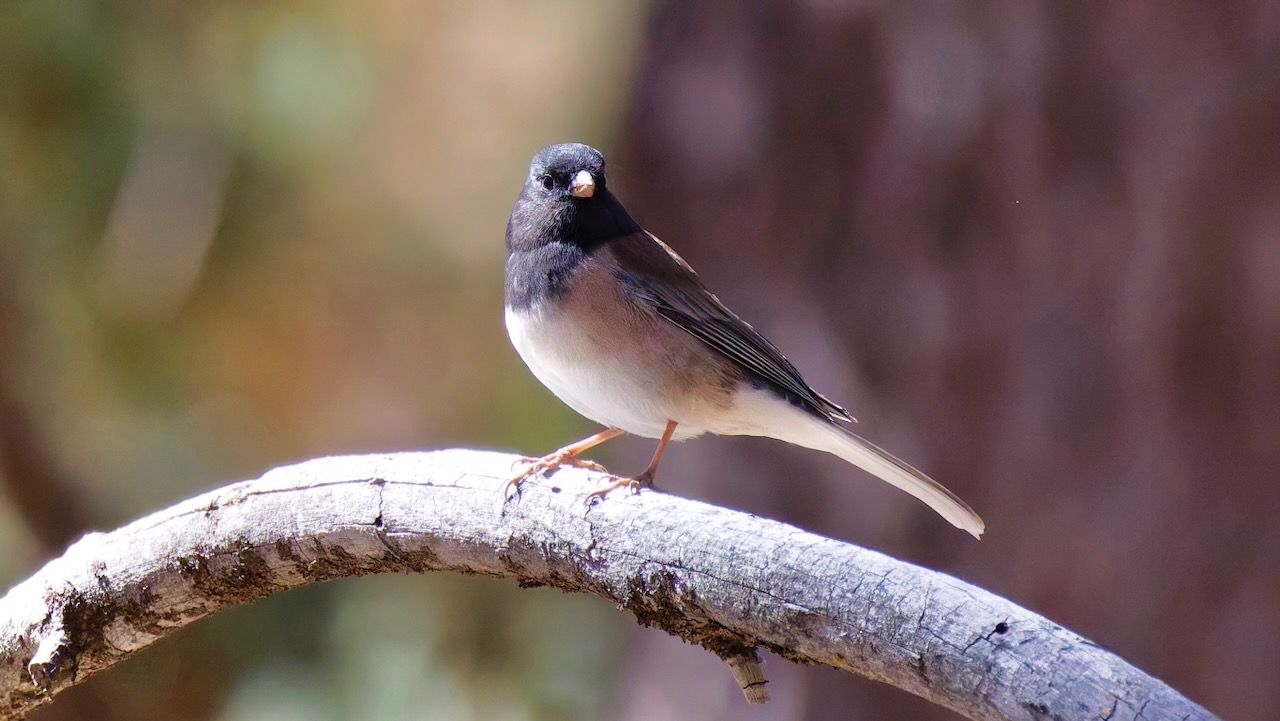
(793,425)
(889,468)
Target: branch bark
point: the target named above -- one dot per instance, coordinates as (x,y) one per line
(725,580)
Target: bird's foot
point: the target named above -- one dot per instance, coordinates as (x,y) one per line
(644,480)
(587,465)
(545,465)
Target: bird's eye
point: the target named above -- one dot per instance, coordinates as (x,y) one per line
(548,182)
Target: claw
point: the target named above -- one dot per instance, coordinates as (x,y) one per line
(545,465)
(644,480)
(512,486)
(588,465)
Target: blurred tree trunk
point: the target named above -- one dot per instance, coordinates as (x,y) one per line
(46,499)
(43,496)
(1034,247)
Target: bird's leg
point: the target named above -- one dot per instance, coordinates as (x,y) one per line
(555,459)
(645,479)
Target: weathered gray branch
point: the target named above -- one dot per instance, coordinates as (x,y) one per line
(726,580)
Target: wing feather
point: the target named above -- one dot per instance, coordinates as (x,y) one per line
(652,273)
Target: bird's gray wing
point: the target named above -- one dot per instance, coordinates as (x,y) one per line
(652,273)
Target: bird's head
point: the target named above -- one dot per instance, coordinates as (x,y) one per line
(561,172)
(566,199)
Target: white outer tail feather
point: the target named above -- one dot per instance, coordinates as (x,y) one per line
(885,466)
(790,424)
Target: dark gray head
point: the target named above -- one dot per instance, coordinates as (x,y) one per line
(566,199)
(556,167)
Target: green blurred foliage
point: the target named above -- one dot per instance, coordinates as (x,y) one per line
(241,234)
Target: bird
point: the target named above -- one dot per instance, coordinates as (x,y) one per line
(621,329)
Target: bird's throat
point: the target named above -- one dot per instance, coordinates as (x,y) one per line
(541,274)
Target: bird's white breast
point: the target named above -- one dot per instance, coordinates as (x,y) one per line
(599,377)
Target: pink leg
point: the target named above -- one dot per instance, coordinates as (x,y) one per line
(645,479)
(557,458)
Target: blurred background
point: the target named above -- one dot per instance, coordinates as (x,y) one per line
(1033,246)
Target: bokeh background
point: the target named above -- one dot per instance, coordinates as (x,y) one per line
(1034,246)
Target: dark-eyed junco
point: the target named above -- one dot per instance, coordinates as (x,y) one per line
(620,328)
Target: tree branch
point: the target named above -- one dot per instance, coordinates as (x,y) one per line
(721,579)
